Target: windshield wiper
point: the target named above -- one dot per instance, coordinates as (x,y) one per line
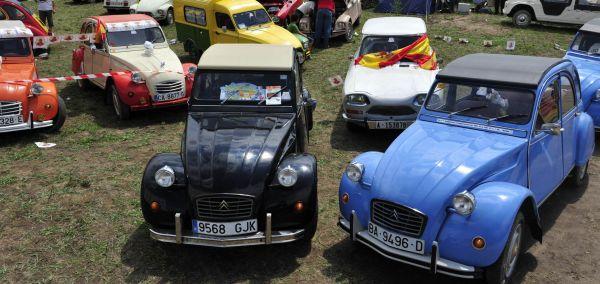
(507,116)
(274,94)
(466,109)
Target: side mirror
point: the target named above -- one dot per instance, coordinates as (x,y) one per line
(93,47)
(173,41)
(552,128)
(224,28)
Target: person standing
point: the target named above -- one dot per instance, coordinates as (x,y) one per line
(325,10)
(499,6)
(46,10)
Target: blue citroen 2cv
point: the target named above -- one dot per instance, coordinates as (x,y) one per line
(455,191)
(585,54)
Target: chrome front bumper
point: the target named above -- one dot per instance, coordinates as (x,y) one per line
(26,125)
(432,262)
(260,238)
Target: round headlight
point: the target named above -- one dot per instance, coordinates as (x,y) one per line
(136,77)
(287,176)
(420,99)
(37,89)
(354,171)
(357,99)
(160,12)
(192,70)
(464,203)
(165,176)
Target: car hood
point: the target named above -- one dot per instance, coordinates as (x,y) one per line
(232,153)
(9,72)
(270,34)
(430,162)
(137,60)
(389,82)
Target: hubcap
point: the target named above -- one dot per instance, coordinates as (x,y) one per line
(509,263)
(522,19)
(116,102)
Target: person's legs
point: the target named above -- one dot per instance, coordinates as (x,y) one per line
(327,19)
(319,28)
(46,19)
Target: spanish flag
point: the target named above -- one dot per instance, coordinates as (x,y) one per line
(419,52)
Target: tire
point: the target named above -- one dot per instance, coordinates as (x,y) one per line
(522,18)
(503,270)
(122,110)
(170,18)
(580,175)
(349,36)
(59,119)
(357,22)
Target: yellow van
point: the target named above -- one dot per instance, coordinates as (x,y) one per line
(201,23)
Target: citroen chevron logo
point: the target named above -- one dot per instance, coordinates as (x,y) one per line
(223,205)
(396,215)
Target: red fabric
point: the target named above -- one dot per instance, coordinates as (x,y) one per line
(326,4)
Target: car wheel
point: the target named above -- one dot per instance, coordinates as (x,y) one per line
(170,18)
(121,109)
(580,175)
(349,36)
(503,270)
(522,18)
(59,119)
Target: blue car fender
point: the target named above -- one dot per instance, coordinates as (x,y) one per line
(496,206)
(358,192)
(585,139)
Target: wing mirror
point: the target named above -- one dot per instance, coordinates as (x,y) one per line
(552,128)
(224,28)
(173,41)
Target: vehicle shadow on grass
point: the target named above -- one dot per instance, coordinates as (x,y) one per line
(546,27)
(91,102)
(361,139)
(183,263)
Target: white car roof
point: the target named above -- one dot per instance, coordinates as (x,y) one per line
(248,56)
(394,26)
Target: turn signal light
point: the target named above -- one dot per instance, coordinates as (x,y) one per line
(48,106)
(130,94)
(299,206)
(154,206)
(143,100)
(345,198)
(478,243)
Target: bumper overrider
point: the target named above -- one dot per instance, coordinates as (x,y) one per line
(29,125)
(431,262)
(179,236)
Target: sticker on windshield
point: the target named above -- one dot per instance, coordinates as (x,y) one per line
(391,39)
(273,95)
(134,32)
(242,92)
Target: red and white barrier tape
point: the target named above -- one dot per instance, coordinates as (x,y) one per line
(68,78)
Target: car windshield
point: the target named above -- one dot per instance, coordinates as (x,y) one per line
(587,42)
(251,18)
(372,44)
(490,103)
(14,47)
(135,37)
(244,88)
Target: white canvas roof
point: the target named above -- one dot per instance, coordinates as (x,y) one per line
(14,29)
(268,57)
(394,26)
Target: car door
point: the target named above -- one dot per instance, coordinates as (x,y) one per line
(87,63)
(100,58)
(545,147)
(224,30)
(586,10)
(569,113)
(556,11)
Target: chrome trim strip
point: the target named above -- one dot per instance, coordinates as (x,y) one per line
(443,266)
(25,126)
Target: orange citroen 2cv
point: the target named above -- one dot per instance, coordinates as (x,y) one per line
(25,105)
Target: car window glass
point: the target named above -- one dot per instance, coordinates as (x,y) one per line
(567,95)
(223,20)
(14,47)
(372,44)
(251,18)
(593,5)
(548,109)
(14,13)
(135,37)
(195,15)
(501,104)
(587,42)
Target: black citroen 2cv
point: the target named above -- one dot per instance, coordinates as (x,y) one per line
(243,176)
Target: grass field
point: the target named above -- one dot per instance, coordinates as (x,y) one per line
(71,213)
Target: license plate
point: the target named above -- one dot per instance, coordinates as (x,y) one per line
(168,96)
(396,240)
(116,2)
(6,120)
(225,229)
(389,124)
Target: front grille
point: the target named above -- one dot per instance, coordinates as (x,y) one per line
(168,87)
(391,110)
(224,207)
(10,108)
(397,217)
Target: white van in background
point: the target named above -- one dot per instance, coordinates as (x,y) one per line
(523,12)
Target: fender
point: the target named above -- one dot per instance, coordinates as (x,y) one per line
(585,139)
(165,7)
(189,78)
(588,91)
(38,103)
(176,194)
(343,18)
(497,204)
(76,60)
(131,93)
(360,190)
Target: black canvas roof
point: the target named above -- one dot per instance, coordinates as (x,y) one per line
(592,26)
(499,68)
